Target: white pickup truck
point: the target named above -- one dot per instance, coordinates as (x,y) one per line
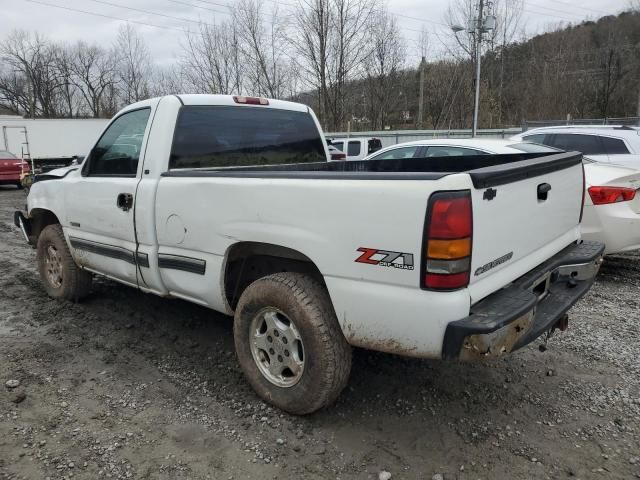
(229,202)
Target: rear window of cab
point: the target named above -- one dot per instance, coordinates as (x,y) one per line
(232,136)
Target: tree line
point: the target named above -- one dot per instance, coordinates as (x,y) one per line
(347,59)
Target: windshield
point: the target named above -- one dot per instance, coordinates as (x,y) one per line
(529,147)
(222,136)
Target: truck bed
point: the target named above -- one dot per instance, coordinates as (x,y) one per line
(484,170)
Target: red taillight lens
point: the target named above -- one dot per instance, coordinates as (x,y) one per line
(448,241)
(339,156)
(436,281)
(606,195)
(450,218)
(250,100)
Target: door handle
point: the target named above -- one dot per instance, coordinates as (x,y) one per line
(543,191)
(125,201)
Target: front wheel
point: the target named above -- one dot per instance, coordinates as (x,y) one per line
(60,275)
(289,344)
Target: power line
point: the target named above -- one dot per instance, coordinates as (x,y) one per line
(104,15)
(181,19)
(582,7)
(542,7)
(195,6)
(533,12)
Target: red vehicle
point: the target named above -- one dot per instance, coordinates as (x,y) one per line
(12,169)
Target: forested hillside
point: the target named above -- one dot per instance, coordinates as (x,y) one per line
(345,58)
(591,70)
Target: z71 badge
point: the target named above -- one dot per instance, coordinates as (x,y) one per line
(385,258)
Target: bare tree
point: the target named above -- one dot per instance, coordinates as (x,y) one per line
(30,65)
(330,40)
(166,81)
(95,75)
(383,65)
(210,62)
(134,65)
(310,40)
(263,47)
(70,97)
(15,92)
(349,48)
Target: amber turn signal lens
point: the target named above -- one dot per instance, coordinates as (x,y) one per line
(449,249)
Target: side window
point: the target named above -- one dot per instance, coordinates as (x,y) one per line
(451,151)
(537,138)
(374,145)
(587,144)
(118,150)
(338,145)
(354,149)
(397,153)
(613,146)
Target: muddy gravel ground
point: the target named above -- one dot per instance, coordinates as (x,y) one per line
(127,385)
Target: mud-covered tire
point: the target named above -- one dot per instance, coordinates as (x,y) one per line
(60,275)
(327,355)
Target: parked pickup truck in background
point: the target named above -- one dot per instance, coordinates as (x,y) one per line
(356,148)
(229,202)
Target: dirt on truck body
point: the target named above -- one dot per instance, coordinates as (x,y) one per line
(128,385)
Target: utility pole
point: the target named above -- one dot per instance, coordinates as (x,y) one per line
(477,28)
(421,100)
(479,31)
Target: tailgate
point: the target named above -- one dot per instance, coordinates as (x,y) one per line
(523,213)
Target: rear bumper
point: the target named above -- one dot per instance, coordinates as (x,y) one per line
(535,303)
(10,177)
(616,225)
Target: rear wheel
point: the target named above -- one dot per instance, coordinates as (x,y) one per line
(60,275)
(289,343)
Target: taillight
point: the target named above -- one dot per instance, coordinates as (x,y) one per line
(448,240)
(606,195)
(250,100)
(338,156)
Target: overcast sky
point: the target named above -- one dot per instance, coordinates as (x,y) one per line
(164,43)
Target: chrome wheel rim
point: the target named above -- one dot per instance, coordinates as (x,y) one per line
(277,348)
(53,266)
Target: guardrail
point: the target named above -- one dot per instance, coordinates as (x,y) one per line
(392,137)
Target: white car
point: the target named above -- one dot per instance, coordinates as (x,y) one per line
(602,143)
(356,148)
(611,204)
(230,203)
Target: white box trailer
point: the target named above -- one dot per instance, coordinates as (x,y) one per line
(49,142)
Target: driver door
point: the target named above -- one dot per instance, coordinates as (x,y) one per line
(100,201)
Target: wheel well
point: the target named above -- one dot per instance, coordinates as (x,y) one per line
(249,261)
(41,218)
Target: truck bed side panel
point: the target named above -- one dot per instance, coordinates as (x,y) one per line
(327,221)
